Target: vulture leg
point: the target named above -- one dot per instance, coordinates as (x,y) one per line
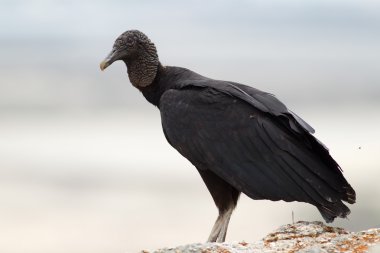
(219,231)
(225,197)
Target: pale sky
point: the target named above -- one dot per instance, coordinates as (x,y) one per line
(322,50)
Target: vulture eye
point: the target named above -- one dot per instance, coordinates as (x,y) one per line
(119,44)
(130,42)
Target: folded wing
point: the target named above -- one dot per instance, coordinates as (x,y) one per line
(261,154)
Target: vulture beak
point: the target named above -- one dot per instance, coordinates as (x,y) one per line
(111,57)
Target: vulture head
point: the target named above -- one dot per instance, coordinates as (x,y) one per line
(138,53)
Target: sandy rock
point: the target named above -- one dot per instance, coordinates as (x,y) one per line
(301,237)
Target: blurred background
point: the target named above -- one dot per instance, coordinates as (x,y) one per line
(84,166)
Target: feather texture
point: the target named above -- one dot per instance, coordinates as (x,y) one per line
(247,140)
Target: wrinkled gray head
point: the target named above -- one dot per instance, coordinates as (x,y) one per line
(140,55)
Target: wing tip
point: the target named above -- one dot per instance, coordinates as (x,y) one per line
(333,210)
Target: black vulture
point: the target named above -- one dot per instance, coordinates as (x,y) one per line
(240,139)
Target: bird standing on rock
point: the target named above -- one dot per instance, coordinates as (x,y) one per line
(239,138)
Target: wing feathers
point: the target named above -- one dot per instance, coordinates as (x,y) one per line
(253,150)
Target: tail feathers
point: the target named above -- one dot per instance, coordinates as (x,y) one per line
(349,194)
(333,210)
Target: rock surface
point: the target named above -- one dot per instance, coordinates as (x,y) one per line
(301,237)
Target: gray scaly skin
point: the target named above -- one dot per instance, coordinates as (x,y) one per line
(141,57)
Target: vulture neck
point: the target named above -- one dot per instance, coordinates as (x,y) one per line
(153,92)
(142,70)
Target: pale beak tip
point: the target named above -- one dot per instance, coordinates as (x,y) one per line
(103,65)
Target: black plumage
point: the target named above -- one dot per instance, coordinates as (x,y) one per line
(239,138)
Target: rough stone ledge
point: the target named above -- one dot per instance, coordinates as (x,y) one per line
(301,237)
